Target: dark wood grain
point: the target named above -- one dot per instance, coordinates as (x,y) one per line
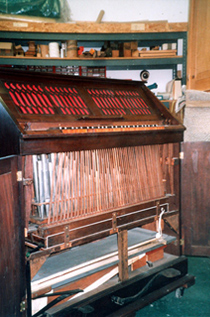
(12,268)
(122,240)
(50,145)
(195,198)
(9,134)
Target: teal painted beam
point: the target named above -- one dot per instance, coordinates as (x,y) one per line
(91,62)
(164,36)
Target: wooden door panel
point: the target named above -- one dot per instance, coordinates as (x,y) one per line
(195,198)
(198,61)
(12,270)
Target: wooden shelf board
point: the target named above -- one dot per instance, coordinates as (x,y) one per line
(92,27)
(87,59)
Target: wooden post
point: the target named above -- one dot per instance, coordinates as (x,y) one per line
(123,255)
(28,188)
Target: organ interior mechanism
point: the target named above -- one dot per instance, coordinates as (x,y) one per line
(99,164)
(70,185)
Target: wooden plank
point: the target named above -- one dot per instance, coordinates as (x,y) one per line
(155,255)
(198,63)
(123,255)
(139,263)
(28,188)
(195,199)
(92,27)
(142,56)
(36,264)
(82,283)
(12,263)
(39,145)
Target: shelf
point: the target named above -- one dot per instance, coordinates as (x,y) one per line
(90,61)
(92,27)
(146,37)
(90,34)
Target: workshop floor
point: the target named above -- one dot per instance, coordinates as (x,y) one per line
(196,299)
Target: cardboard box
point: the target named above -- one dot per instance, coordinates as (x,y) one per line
(6,49)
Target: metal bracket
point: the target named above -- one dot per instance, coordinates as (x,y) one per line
(181,155)
(19,176)
(181,242)
(174,161)
(23,306)
(157,208)
(67,237)
(27,181)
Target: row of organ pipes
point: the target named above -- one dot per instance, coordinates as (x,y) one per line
(69,185)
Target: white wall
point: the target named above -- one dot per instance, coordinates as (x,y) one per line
(128,11)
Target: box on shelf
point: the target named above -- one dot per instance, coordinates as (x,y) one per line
(6,49)
(71,70)
(93,71)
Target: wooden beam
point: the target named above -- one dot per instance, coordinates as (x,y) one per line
(123,255)
(92,27)
(36,264)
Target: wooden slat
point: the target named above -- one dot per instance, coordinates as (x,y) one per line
(91,27)
(28,189)
(195,199)
(198,63)
(12,259)
(123,255)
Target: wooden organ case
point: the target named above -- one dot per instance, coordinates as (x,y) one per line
(97,168)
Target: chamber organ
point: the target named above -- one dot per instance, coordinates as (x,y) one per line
(97,162)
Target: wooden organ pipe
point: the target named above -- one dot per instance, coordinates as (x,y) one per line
(79,183)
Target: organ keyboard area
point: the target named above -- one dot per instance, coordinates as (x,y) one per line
(98,158)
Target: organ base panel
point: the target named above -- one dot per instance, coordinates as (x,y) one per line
(97,168)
